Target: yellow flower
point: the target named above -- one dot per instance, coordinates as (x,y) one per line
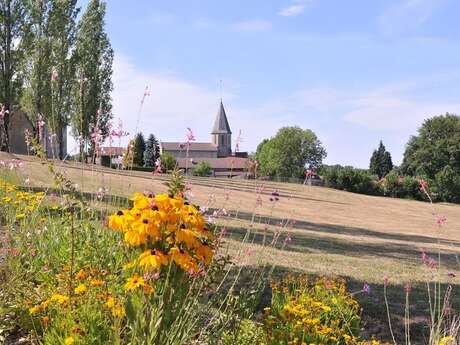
(20,216)
(69,341)
(110,302)
(61,299)
(151,259)
(80,289)
(81,275)
(118,311)
(447,340)
(134,282)
(34,310)
(96,282)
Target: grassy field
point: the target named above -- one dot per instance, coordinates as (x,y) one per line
(361,238)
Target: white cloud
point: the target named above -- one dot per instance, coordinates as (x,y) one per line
(386,112)
(292,10)
(407,16)
(252,25)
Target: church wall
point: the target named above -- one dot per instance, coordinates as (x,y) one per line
(192,154)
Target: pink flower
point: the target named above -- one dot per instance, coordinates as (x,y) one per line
(386,280)
(440,220)
(366,288)
(451,274)
(422,185)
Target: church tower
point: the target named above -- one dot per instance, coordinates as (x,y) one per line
(221,133)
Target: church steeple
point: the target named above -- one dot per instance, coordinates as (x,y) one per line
(221,125)
(221,133)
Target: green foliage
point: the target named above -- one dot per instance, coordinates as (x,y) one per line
(289,152)
(381,163)
(176,184)
(93,87)
(202,169)
(247,332)
(14,17)
(168,162)
(435,154)
(139,148)
(398,186)
(436,146)
(152,152)
(447,183)
(349,179)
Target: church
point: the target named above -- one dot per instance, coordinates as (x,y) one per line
(218,153)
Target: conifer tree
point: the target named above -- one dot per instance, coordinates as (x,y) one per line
(381,163)
(139,148)
(152,151)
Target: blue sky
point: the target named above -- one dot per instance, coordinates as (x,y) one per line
(355,72)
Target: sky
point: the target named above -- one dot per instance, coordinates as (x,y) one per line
(355,72)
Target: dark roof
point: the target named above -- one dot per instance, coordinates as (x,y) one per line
(221,125)
(215,163)
(112,151)
(172,146)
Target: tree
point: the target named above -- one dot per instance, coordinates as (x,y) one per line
(436,146)
(289,152)
(51,68)
(381,163)
(14,17)
(62,35)
(92,89)
(152,152)
(128,156)
(139,148)
(435,155)
(202,169)
(168,162)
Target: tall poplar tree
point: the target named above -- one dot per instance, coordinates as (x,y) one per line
(94,56)
(14,17)
(62,35)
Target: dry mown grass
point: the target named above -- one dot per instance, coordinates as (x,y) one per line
(362,238)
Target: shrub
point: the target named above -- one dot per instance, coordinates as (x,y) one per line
(202,169)
(448,185)
(349,179)
(168,162)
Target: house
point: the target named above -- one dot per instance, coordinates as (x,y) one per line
(218,153)
(19,124)
(110,156)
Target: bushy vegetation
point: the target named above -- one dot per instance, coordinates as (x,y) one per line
(349,179)
(202,169)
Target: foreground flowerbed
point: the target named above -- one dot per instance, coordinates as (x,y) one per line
(150,272)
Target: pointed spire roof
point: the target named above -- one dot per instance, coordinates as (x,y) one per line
(221,125)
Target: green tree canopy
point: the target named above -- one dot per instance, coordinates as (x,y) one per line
(381,163)
(435,154)
(436,146)
(152,151)
(289,152)
(93,86)
(139,148)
